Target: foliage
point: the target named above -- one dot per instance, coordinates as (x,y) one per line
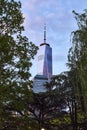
(77,57)
(64,85)
(77,62)
(16,53)
(47,108)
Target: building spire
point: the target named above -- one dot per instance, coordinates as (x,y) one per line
(45,33)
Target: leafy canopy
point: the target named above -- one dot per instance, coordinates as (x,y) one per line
(16,53)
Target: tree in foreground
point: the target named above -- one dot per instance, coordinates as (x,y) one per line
(77,61)
(62,87)
(16,53)
(45,108)
(48,108)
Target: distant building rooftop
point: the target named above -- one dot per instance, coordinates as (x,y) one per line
(44,44)
(41,77)
(38,83)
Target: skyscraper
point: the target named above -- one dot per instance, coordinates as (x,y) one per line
(45,58)
(44,66)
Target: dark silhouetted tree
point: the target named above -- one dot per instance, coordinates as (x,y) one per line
(16,53)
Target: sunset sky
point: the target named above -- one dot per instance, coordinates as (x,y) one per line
(60,22)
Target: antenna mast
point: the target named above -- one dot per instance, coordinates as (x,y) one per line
(44,33)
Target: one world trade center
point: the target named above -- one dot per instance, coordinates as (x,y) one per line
(45,58)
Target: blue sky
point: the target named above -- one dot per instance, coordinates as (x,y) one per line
(60,22)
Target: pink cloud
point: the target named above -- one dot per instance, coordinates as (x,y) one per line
(60,23)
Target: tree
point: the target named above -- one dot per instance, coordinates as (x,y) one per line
(77,62)
(46,107)
(49,109)
(77,57)
(63,84)
(16,53)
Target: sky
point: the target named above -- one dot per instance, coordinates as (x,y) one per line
(60,22)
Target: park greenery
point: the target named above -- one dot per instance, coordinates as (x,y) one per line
(64,104)
(16,53)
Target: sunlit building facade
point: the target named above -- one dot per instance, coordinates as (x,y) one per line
(44,65)
(39,83)
(45,58)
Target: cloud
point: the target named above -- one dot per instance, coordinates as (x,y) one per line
(58,16)
(38,12)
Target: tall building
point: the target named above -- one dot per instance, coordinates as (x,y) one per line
(38,84)
(44,66)
(45,58)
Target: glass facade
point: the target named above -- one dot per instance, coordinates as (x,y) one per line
(38,84)
(44,66)
(45,60)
